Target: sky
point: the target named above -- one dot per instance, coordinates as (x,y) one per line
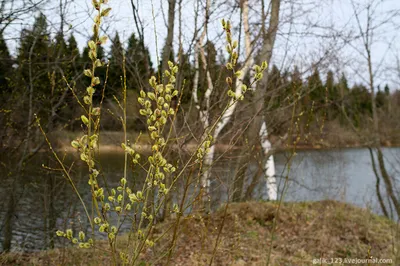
(310,31)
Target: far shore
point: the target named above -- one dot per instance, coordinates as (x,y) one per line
(191,147)
(110,142)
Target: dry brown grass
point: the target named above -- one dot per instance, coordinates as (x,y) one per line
(304,231)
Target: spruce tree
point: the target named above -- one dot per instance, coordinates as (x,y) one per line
(273,87)
(185,78)
(315,88)
(72,57)
(343,86)
(34,65)
(139,66)
(100,72)
(380,98)
(171,57)
(6,71)
(116,66)
(333,95)
(330,85)
(359,103)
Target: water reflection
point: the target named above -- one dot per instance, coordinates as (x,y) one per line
(344,175)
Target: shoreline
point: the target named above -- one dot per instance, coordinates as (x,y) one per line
(110,142)
(114,148)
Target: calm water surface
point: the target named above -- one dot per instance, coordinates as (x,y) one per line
(344,175)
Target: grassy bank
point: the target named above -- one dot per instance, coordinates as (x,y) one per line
(304,231)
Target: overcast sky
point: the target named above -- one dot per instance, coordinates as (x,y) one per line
(310,30)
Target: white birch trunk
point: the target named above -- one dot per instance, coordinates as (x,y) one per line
(269,166)
(196,76)
(226,117)
(204,107)
(265,55)
(199,51)
(205,179)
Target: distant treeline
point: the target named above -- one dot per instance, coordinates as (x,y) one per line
(43,66)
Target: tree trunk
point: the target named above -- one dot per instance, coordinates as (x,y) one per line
(170,35)
(259,125)
(376,136)
(269,166)
(166,55)
(388,181)
(377,184)
(227,115)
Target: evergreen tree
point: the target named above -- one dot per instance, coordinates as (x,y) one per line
(139,66)
(333,95)
(5,67)
(34,65)
(387,90)
(35,47)
(285,89)
(330,84)
(274,87)
(298,88)
(359,103)
(59,46)
(380,98)
(295,78)
(171,57)
(211,53)
(73,74)
(185,78)
(116,66)
(388,99)
(58,59)
(343,86)
(72,57)
(295,85)
(315,88)
(64,59)
(86,62)
(274,80)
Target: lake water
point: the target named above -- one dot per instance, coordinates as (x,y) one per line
(344,175)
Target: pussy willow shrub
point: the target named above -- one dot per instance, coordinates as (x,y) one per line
(126,201)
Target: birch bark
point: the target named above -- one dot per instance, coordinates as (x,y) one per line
(259,124)
(204,108)
(227,115)
(269,166)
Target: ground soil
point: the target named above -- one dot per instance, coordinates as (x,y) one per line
(244,234)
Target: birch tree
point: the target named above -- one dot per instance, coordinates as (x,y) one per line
(258,131)
(204,108)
